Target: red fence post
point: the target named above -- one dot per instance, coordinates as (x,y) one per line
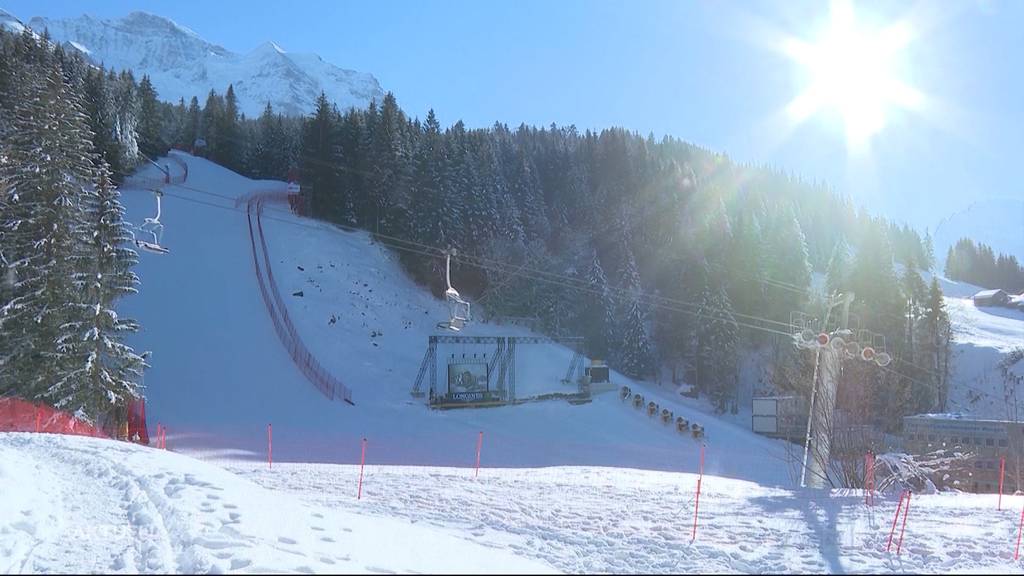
(867,477)
(1002,470)
(38,415)
(871,484)
(899,507)
(362,462)
(696,506)
(1016,553)
(159,428)
(479,443)
(906,511)
(270,446)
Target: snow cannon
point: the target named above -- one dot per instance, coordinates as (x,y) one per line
(806,339)
(837,343)
(822,340)
(852,350)
(867,354)
(883,359)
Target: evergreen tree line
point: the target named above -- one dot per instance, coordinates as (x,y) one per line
(979,264)
(64,256)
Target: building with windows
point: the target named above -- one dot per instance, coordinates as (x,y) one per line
(991,298)
(984,441)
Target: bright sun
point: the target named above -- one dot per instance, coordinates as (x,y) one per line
(852,71)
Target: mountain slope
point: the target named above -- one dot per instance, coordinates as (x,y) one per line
(219,374)
(10,23)
(982,338)
(181,64)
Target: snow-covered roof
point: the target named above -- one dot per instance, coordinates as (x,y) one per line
(955,416)
(989,293)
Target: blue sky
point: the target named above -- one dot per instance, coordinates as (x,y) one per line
(701,70)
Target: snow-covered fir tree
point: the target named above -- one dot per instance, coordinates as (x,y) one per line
(105,372)
(634,353)
(62,234)
(717,337)
(49,166)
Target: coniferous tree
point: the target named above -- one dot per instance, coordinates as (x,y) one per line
(125,111)
(193,124)
(789,266)
(104,372)
(319,178)
(62,257)
(936,341)
(49,163)
(717,337)
(151,142)
(835,279)
(212,124)
(635,355)
(428,187)
(230,146)
(597,322)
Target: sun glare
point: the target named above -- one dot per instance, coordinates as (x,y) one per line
(852,71)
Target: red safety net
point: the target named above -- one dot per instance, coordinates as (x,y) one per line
(17,415)
(137,421)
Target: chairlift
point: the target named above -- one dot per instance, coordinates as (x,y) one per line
(155,228)
(458,309)
(152,247)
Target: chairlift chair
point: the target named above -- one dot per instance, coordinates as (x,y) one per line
(155,228)
(458,309)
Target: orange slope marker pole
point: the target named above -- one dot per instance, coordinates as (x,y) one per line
(362,463)
(696,506)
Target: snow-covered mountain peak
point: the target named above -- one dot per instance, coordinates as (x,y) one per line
(141,20)
(181,64)
(9,22)
(270,46)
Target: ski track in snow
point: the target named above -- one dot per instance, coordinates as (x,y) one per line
(74,504)
(631,521)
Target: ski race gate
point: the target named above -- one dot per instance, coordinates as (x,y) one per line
(485,379)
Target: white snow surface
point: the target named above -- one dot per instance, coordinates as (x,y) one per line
(982,336)
(219,373)
(181,64)
(86,505)
(133,509)
(613,520)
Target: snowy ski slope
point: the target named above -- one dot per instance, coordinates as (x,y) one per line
(73,504)
(614,520)
(131,509)
(982,337)
(219,374)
